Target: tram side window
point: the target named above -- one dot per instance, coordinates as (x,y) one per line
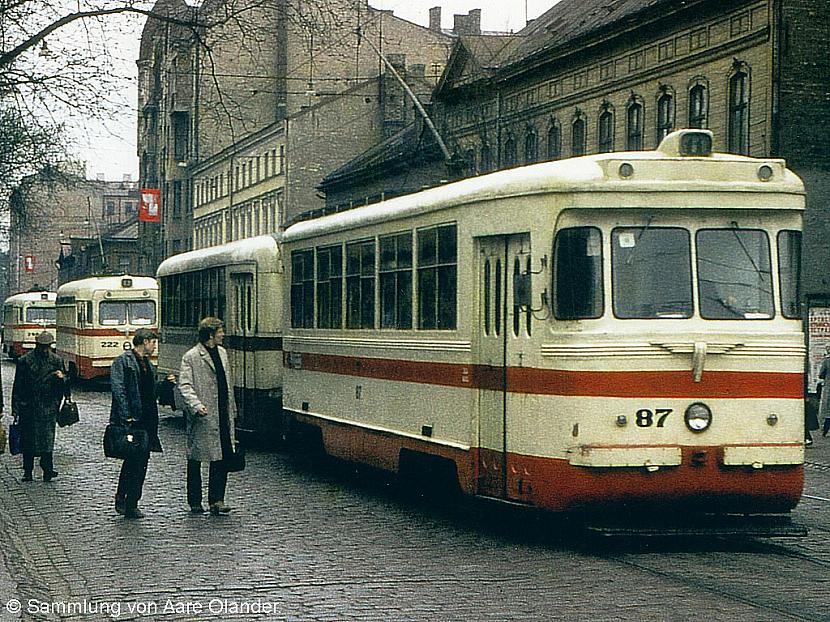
(734,274)
(396,281)
(789,271)
(651,272)
(302,289)
(329,287)
(578,274)
(437,277)
(360,284)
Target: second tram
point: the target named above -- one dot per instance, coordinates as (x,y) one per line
(97,318)
(24,317)
(241,283)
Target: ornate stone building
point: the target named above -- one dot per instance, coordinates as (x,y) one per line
(593,75)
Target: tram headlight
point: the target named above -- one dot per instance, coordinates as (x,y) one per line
(698,417)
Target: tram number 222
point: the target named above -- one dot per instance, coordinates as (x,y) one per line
(116,344)
(647,418)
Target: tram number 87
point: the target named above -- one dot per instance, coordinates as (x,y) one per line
(646,417)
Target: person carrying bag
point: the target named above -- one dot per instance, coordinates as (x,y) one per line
(134,418)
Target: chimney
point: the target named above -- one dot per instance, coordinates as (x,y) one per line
(469,24)
(435,18)
(474,21)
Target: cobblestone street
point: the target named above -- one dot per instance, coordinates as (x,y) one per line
(315,544)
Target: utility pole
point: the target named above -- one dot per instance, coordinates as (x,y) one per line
(415,100)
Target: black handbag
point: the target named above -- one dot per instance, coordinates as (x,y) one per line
(236,461)
(125,442)
(15,439)
(68,414)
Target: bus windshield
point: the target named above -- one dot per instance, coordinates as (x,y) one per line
(40,315)
(137,312)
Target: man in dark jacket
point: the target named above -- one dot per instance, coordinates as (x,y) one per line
(40,383)
(133,385)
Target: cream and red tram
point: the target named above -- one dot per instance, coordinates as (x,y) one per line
(611,331)
(24,317)
(97,318)
(240,283)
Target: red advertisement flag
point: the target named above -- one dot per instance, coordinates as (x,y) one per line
(149,210)
(29,263)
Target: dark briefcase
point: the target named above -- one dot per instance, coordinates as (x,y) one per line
(125,442)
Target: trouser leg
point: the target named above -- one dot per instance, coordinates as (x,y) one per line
(194,483)
(46,463)
(826,427)
(218,482)
(28,464)
(131,479)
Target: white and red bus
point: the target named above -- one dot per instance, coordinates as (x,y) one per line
(612,332)
(25,316)
(97,318)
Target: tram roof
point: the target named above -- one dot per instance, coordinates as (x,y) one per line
(653,171)
(31,297)
(97,283)
(237,252)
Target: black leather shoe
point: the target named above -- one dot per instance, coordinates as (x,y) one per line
(219,509)
(27,477)
(133,513)
(197,509)
(48,477)
(120,505)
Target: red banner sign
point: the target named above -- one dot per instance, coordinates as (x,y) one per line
(29,263)
(149,210)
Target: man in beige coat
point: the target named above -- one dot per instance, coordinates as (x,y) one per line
(210,411)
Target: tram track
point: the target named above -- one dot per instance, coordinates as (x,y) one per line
(780,611)
(750,571)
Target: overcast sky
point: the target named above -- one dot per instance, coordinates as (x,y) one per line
(110,150)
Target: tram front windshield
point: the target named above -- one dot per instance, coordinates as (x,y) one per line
(40,315)
(117,313)
(652,273)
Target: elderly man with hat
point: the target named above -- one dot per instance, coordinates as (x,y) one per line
(40,383)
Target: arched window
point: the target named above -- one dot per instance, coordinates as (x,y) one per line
(509,159)
(634,125)
(485,159)
(578,135)
(665,115)
(738,127)
(606,129)
(531,148)
(554,141)
(697,106)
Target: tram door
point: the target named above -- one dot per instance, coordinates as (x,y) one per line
(242,321)
(502,329)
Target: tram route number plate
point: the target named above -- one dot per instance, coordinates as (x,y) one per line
(657,417)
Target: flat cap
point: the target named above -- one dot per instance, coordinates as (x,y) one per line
(45,338)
